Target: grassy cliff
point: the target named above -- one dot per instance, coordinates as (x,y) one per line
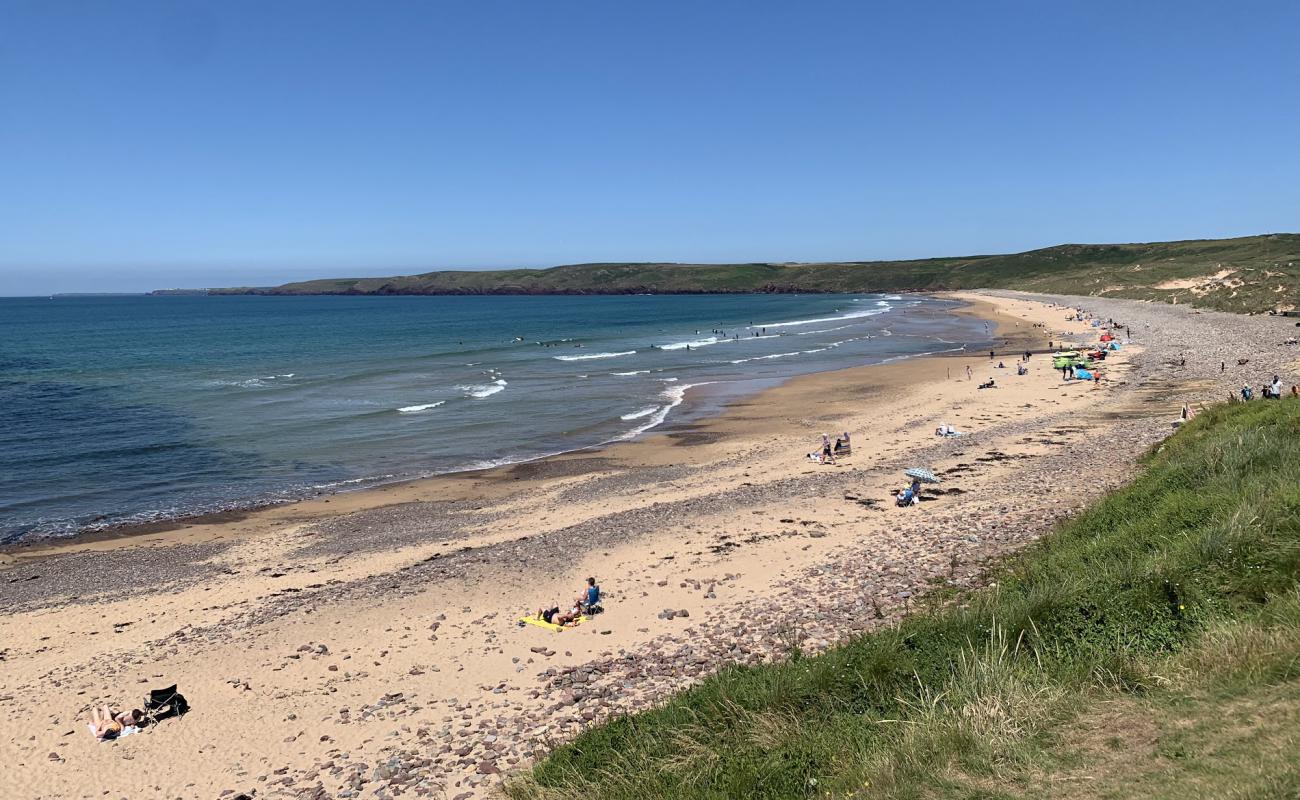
(1148,648)
(1253,273)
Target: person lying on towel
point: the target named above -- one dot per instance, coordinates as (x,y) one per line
(553,615)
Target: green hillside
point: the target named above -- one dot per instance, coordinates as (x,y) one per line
(1248,274)
(1149,648)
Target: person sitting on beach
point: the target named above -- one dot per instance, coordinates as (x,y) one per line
(987,385)
(1021,369)
(590,596)
(911,495)
(842,445)
(107,725)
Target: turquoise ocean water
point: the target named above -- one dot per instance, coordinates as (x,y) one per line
(116,410)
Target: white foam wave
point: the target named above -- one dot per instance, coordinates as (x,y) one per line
(674,395)
(418,409)
(764,358)
(850,315)
(633,372)
(697,343)
(484,390)
(251,383)
(822,330)
(645,412)
(590,356)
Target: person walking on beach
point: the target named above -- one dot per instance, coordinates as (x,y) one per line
(968,372)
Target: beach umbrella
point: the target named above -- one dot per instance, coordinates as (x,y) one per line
(923,475)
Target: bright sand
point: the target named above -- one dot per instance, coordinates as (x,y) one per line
(263,701)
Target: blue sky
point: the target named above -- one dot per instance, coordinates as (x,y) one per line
(152,144)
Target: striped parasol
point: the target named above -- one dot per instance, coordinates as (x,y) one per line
(923,475)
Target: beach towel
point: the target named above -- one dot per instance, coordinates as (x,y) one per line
(550,626)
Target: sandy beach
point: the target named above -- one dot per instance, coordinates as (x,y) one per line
(367,645)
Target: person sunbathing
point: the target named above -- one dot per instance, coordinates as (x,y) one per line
(107,725)
(570,617)
(553,616)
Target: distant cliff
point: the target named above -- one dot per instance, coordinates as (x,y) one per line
(1252,273)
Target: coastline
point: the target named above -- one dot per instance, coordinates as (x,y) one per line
(331,650)
(343,501)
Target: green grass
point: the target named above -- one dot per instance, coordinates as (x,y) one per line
(1265,274)
(1169,608)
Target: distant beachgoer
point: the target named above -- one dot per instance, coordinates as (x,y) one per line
(1295,390)
(991,355)
(968,372)
(828,454)
(842,444)
(1021,370)
(590,596)
(107,725)
(569,618)
(1246,392)
(554,617)
(1277,388)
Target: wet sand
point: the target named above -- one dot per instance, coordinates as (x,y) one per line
(369,639)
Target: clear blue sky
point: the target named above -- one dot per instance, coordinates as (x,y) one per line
(172,143)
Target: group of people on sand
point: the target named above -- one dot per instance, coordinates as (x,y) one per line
(828,452)
(586,603)
(1269,391)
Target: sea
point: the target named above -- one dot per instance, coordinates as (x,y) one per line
(123,410)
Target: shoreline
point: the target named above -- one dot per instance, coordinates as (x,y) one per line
(334,650)
(97,538)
